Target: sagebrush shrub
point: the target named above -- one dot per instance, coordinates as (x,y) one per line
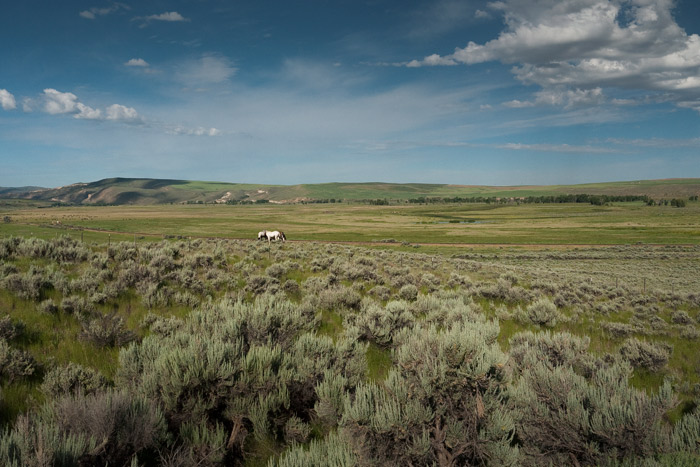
(47,306)
(681,317)
(381,292)
(276,270)
(542,312)
(262,284)
(408,292)
(10,329)
(331,450)
(552,350)
(15,363)
(77,305)
(504,290)
(108,330)
(72,379)
(644,354)
(380,324)
(296,430)
(198,444)
(27,285)
(616,329)
(33,442)
(563,418)
(291,287)
(121,425)
(442,403)
(339,297)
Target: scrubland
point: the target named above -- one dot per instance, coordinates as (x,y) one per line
(238,352)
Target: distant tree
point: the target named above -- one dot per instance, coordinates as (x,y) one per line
(678,203)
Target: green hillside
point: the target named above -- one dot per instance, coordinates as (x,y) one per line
(145,191)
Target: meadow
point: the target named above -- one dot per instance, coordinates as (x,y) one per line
(467,334)
(469,223)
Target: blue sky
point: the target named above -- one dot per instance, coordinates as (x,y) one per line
(508,92)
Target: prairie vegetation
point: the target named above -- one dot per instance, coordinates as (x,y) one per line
(480,223)
(236,352)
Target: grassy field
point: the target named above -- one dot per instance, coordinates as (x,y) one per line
(445,224)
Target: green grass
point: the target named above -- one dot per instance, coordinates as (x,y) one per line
(378,362)
(558,224)
(331,324)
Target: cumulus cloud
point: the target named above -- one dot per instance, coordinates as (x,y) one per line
(94,12)
(7,100)
(137,62)
(172,16)
(87,113)
(122,113)
(169,16)
(590,44)
(432,60)
(56,103)
(567,98)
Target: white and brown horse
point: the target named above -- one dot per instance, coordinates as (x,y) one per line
(271,235)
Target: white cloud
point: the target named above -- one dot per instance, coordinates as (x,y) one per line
(94,12)
(517,104)
(137,62)
(198,131)
(590,44)
(7,100)
(171,16)
(122,113)
(56,102)
(432,60)
(569,97)
(88,113)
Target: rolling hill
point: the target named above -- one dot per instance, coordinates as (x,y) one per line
(145,191)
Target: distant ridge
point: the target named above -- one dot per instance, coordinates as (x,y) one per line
(149,191)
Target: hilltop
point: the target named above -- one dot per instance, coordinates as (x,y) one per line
(147,191)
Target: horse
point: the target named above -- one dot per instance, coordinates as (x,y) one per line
(262,235)
(274,235)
